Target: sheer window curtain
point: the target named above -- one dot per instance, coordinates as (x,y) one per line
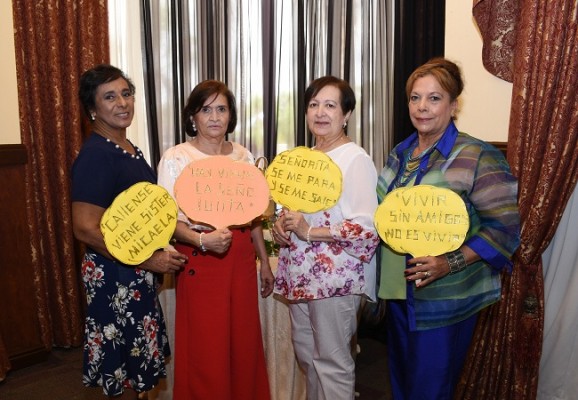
(266,52)
(350,39)
(126,54)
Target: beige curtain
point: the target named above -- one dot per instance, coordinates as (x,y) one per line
(55,40)
(533,44)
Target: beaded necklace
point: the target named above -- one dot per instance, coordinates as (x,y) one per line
(411,164)
(138,151)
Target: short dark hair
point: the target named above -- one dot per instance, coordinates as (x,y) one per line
(347,94)
(199,96)
(91,79)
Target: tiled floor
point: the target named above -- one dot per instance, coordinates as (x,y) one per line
(371,371)
(371,366)
(59,378)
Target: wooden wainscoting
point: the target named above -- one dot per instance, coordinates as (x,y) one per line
(19,325)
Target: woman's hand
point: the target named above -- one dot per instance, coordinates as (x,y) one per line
(278,231)
(165,262)
(425,270)
(428,269)
(293,221)
(267,280)
(217,241)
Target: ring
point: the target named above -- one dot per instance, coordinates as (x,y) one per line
(427,274)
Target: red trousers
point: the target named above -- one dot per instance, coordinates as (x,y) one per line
(218,352)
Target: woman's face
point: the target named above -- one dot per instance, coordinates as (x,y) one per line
(212,119)
(324,116)
(114,104)
(430,107)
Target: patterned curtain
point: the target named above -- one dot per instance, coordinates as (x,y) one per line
(533,43)
(55,40)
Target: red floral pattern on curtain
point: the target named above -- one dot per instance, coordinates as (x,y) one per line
(533,44)
(56,40)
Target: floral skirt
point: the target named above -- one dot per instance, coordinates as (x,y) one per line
(125,336)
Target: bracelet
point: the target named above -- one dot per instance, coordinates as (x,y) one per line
(309,235)
(456,261)
(203,248)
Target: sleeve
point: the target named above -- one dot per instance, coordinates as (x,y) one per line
(387,175)
(494,199)
(356,233)
(93,178)
(250,157)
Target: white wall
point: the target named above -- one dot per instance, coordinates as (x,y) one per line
(10,132)
(485,103)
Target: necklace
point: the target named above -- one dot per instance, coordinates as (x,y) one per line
(138,152)
(411,165)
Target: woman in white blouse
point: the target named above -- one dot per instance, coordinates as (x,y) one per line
(326,261)
(218,346)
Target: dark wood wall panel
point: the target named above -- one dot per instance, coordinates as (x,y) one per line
(19,326)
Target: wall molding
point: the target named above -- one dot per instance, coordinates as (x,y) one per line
(13,154)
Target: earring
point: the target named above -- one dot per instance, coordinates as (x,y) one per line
(92,116)
(344,125)
(193,123)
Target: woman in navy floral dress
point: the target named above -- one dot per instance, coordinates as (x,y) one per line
(125,339)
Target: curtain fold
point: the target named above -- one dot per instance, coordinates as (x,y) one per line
(167,82)
(267,53)
(270,76)
(559,366)
(126,55)
(353,40)
(419,35)
(497,21)
(542,144)
(149,84)
(57,41)
(374,126)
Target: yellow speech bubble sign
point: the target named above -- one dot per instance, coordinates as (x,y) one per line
(140,220)
(422,220)
(221,192)
(305,180)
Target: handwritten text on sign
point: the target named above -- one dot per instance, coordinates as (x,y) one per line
(221,192)
(422,220)
(303,179)
(140,220)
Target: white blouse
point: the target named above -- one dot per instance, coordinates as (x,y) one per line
(175,159)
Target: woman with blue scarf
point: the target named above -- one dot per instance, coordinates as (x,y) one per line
(433,302)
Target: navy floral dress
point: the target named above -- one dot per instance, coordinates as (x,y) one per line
(125,336)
